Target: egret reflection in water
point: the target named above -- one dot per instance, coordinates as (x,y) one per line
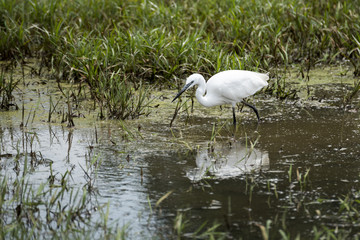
(226,161)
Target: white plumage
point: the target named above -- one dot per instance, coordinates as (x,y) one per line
(227,87)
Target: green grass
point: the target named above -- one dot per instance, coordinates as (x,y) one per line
(347,211)
(53,209)
(146,42)
(173,38)
(7,87)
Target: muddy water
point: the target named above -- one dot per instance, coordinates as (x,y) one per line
(239,179)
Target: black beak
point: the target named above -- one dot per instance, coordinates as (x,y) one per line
(182,90)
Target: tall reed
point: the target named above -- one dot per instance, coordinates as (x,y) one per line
(159,42)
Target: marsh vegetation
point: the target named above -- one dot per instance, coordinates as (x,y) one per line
(116,49)
(85,144)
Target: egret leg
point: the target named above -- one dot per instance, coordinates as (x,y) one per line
(253,108)
(233,108)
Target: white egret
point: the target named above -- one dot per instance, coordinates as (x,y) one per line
(227,87)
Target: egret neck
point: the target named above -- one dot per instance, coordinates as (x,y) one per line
(201,91)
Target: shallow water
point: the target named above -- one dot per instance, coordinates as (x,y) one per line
(239,179)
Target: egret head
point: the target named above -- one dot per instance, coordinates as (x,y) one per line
(191,81)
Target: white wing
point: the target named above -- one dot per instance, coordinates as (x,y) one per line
(234,85)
